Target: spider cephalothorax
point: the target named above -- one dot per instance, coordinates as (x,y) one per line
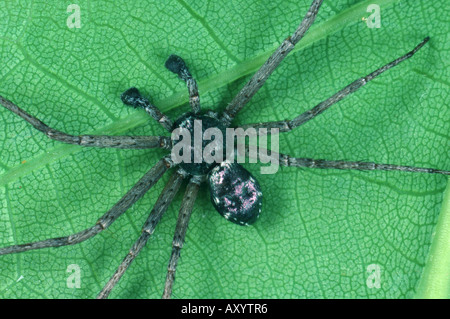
(234,191)
(189,123)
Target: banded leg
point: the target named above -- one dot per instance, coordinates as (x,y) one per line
(133,97)
(260,77)
(102,141)
(180,232)
(286,160)
(131,197)
(176,65)
(286,126)
(158,210)
(289,161)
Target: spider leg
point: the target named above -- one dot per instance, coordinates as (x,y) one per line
(163,202)
(133,97)
(131,197)
(289,161)
(286,160)
(258,79)
(180,233)
(102,141)
(176,65)
(286,126)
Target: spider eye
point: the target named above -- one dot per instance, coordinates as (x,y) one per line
(235,193)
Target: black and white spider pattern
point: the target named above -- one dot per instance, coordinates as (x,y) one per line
(133,97)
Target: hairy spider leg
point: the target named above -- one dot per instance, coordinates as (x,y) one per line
(290,161)
(286,160)
(134,98)
(131,197)
(184,215)
(177,65)
(260,77)
(102,141)
(288,125)
(161,205)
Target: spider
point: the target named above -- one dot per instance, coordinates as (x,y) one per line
(197,174)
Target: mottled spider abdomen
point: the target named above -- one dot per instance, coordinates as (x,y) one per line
(235,193)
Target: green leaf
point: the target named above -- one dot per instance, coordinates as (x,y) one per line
(320,230)
(434,282)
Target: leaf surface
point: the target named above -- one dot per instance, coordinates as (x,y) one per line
(320,231)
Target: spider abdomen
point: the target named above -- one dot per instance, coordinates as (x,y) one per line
(235,193)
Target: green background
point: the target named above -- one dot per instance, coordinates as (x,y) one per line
(319,229)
